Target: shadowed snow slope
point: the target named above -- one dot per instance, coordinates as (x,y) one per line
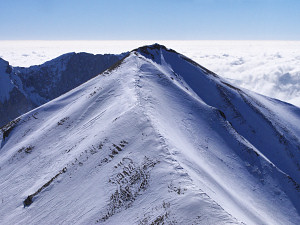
(156,139)
(23,89)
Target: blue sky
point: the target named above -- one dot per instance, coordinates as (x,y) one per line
(149,19)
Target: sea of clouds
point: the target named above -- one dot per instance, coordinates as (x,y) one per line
(271,68)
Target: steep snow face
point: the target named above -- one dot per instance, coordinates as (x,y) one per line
(5,83)
(53,78)
(268,124)
(36,85)
(145,143)
(13,102)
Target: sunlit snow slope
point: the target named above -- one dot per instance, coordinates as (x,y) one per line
(156,139)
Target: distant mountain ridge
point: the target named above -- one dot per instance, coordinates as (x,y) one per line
(22,89)
(154,139)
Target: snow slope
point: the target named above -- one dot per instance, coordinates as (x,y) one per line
(23,89)
(154,139)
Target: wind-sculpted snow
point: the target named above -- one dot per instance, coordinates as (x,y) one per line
(155,139)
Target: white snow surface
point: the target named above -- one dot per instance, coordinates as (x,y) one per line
(270,68)
(147,143)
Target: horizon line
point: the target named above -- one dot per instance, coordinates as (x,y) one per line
(151,40)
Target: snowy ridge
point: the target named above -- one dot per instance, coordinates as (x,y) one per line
(270,68)
(155,139)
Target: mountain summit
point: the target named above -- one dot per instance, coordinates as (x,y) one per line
(154,139)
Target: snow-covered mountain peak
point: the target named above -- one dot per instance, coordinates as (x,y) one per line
(153,140)
(154,52)
(161,55)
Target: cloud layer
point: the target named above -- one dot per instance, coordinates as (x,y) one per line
(271,68)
